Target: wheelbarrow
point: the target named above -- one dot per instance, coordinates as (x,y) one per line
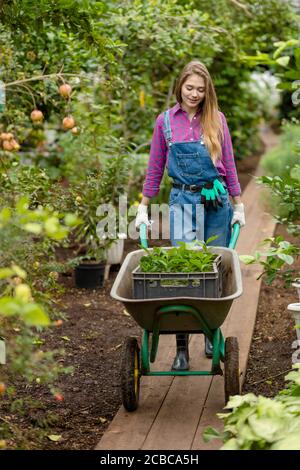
(178,315)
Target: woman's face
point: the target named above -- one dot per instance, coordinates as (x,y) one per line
(193,91)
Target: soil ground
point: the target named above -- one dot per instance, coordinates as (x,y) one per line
(96,326)
(274,338)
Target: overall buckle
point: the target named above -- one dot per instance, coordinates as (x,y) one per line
(193,188)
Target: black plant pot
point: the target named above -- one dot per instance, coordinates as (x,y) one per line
(90,275)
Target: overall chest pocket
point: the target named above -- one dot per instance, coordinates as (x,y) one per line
(190,164)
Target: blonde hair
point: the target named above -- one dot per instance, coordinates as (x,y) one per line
(210,118)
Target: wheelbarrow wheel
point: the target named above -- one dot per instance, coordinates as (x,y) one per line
(130,374)
(231,368)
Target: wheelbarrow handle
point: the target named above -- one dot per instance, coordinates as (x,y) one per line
(234,235)
(143,235)
(232,243)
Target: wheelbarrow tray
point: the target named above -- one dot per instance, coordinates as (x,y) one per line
(213,310)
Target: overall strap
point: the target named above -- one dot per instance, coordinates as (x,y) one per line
(167,128)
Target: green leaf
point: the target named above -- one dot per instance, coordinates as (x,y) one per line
(71,220)
(239,400)
(9,306)
(267,428)
(22,205)
(34,315)
(65,338)
(247,259)
(291,442)
(54,437)
(284,61)
(295,173)
(51,225)
(286,258)
(231,444)
(292,74)
(5,214)
(6,273)
(33,228)
(19,271)
(210,433)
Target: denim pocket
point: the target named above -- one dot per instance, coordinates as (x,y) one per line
(190,164)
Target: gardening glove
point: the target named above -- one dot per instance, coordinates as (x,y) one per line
(208,197)
(238,214)
(142,216)
(204,198)
(218,187)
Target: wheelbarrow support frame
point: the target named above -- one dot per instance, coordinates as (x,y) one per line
(215,336)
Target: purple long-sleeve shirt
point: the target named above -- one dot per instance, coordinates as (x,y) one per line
(184,130)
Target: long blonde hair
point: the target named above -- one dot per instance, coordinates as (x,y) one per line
(210,118)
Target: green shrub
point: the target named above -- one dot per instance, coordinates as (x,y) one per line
(259,423)
(280,160)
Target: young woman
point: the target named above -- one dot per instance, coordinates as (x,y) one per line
(192,140)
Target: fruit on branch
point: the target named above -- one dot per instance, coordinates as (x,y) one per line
(8,145)
(6,136)
(15,144)
(65,90)
(8,142)
(36,115)
(68,123)
(74,130)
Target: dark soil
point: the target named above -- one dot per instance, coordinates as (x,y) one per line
(95,328)
(273,342)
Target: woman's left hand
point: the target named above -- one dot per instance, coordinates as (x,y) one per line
(238,214)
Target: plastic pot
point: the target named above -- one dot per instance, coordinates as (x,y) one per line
(89,275)
(114,253)
(295,309)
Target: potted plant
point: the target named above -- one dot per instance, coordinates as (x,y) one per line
(91,253)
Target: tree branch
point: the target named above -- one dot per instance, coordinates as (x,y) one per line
(42,77)
(270,377)
(243,7)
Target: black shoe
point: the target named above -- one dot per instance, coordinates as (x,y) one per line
(181,361)
(208,348)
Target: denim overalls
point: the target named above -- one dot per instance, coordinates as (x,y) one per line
(190,163)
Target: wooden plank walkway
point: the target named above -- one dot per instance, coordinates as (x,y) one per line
(174,411)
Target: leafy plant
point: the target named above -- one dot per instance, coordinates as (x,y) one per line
(281,253)
(259,423)
(279,161)
(183,259)
(87,195)
(286,194)
(24,308)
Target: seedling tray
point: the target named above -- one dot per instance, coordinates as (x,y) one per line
(163,285)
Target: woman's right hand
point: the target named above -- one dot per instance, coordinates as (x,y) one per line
(142,216)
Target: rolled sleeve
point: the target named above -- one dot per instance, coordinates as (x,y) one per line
(228,161)
(157,160)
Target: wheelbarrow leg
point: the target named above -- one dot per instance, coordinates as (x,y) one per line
(181,361)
